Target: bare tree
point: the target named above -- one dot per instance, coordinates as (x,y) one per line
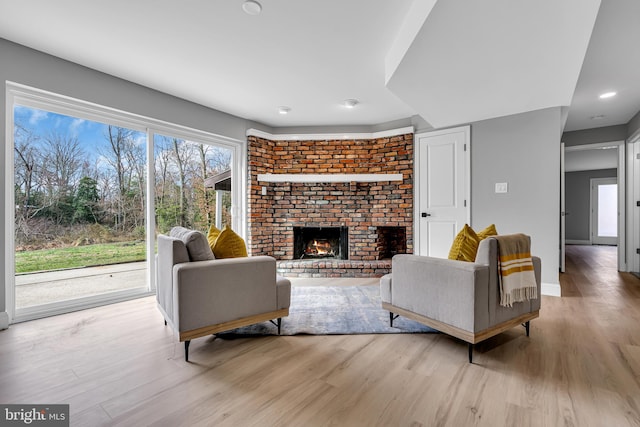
(26,163)
(203,150)
(136,161)
(219,159)
(181,156)
(62,159)
(162,165)
(26,160)
(121,156)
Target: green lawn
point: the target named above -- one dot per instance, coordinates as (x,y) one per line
(80,256)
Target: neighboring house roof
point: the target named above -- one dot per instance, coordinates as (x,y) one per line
(221,181)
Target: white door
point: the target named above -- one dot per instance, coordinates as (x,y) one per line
(604,210)
(442,189)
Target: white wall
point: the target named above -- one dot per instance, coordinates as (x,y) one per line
(522,150)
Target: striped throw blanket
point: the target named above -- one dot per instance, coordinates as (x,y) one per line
(515,269)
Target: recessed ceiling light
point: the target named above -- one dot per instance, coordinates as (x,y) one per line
(350,103)
(598,117)
(284,109)
(252,7)
(608,95)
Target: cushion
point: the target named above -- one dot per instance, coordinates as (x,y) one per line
(488,231)
(213,234)
(465,245)
(229,245)
(196,243)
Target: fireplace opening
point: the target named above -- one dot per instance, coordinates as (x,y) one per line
(320,243)
(391,241)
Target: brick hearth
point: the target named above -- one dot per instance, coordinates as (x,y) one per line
(363,207)
(334,268)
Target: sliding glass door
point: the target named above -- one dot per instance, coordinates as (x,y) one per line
(192,184)
(80,201)
(90,189)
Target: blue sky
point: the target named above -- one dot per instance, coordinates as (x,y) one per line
(90,134)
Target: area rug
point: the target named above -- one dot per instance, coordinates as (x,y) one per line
(333,310)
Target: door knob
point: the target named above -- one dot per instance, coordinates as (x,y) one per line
(424,214)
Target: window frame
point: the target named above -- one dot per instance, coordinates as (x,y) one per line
(18,94)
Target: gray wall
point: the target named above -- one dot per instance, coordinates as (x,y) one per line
(524,151)
(578,201)
(603,134)
(29,67)
(594,136)
(634,125)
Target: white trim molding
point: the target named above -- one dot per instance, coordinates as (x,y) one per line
(337,177)
(329,136)
(77,304)
(550,289)
(4,320)
(600,145)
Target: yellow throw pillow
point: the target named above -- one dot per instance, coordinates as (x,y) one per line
(213,234)
(229,245)
(464,247)
(489,231)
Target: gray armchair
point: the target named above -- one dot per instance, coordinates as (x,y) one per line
(199,298)
(458,298)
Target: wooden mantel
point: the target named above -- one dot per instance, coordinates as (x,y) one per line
(337,177)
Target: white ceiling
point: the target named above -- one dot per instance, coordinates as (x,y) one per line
(449,62)
(478,60)
(612,63)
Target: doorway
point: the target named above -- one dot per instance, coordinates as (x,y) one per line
(584,167)
(442,189)
(604,211)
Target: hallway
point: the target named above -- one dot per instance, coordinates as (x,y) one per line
(593,271)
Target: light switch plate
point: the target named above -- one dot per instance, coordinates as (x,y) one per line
(502,187)
(264,191)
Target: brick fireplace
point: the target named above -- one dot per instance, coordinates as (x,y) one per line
(320,242)
(377,216)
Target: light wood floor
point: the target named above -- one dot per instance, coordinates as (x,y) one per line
(119,365)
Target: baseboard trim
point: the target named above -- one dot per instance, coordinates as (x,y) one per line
(550,289)
(4,320)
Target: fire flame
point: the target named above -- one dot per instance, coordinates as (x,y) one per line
(322,247)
